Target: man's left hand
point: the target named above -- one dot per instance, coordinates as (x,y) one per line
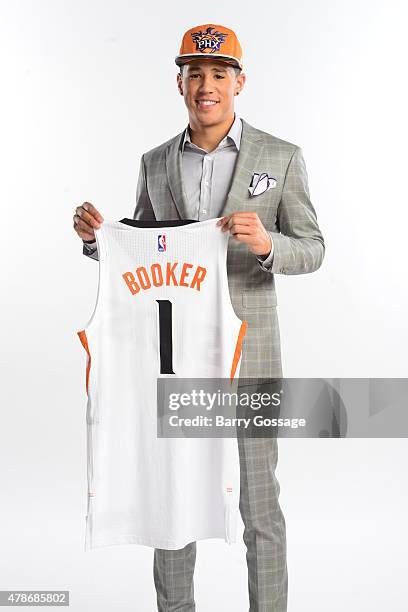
(247,227)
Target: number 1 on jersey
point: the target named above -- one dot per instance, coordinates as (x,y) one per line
(165,336)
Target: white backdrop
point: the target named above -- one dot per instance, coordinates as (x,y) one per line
(87,87)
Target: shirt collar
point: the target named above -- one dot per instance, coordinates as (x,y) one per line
(234,134)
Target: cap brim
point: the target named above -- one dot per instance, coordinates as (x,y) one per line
(188,57)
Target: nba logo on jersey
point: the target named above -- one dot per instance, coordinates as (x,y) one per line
(161,242)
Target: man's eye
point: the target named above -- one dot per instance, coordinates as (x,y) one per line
(219,76)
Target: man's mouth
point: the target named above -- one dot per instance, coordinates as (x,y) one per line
(206,103)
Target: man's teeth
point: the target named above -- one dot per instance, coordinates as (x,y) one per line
(206,102)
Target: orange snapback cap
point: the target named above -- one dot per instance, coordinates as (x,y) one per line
(212,41)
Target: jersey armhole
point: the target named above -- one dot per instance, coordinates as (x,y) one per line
(224,274)
(242,325)
(102,274)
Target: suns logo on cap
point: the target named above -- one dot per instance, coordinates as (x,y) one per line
(208,41)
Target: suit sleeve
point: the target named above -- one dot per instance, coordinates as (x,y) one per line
(298,247)
(143,209)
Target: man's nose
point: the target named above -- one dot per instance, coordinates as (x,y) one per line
(206,85)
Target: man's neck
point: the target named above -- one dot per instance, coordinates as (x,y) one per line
(208,138)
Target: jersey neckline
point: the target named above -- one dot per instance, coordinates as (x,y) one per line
(169,224)
(154,223)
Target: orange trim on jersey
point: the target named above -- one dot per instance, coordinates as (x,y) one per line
(238,349)
(84,341)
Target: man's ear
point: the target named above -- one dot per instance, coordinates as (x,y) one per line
(179,83)
(240,82)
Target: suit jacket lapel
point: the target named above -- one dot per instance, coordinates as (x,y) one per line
(248,160)
(174,176)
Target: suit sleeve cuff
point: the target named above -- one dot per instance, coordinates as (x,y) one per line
(89,246)
(266,262)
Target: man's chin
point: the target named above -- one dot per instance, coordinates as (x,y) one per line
(208,119)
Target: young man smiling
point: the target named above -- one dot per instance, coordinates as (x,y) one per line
(221,166)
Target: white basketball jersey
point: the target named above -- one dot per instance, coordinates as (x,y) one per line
(163,309)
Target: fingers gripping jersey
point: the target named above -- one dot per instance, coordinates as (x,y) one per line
(163,309)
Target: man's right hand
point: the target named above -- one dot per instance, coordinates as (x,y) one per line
(86,220)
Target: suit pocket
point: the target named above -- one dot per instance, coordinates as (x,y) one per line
(259,299)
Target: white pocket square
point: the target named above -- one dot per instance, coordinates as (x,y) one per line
(261,182)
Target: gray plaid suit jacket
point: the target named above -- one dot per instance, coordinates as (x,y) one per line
(286,212)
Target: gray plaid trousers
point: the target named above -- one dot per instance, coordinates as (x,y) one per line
(264,537)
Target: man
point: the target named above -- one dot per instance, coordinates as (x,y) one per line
(221,166)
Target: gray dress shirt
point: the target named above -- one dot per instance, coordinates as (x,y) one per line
(207,178)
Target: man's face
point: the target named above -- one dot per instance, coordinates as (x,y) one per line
(209,88)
